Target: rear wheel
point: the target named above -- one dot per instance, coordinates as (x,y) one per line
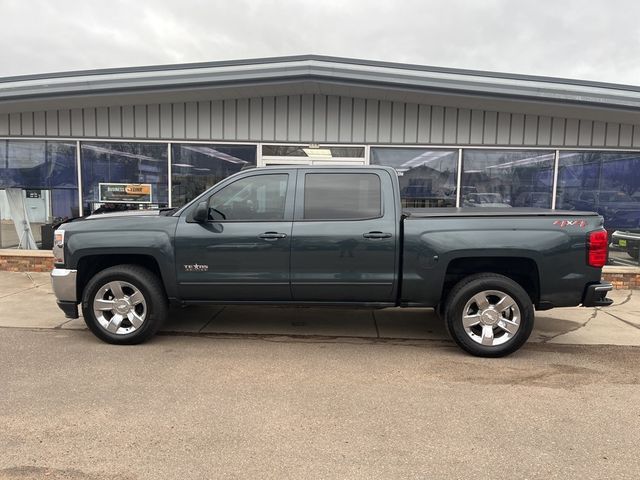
(124,304)
(634,251)
(489,315)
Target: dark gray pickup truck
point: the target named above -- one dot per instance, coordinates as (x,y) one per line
(330,236)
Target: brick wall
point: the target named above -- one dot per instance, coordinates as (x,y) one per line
(623,280)
(26,261)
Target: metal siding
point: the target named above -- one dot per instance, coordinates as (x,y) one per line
(504,128)
(557,131)
(102,122)
(4,124)
(293,123)
(128,122)
(477,127)
(346,119)
(464,126)
(544,131)
(204,120)
(517,129)
(584,133)
(217,119)
(178,120)
(636,135)
(613,135)
(333,118)
(371,123)
(166,121)
(255,118)
(153,120)
(89,119)
(411,123)
(52,122)
(242,116)
(357,135)
(384,122)
(64,122)
(281,118)
(268,118)
(424,123)
(437,125)
(319,118)
(397,122)
(27,124)
(140,119)
(450,124)
(530,129)
(115,122)
(571,132)
(306,118)
(191,119)
(490,128)
(15,124)
(230,118)
(77,122)
(599,131)
(626,135)
(39,124)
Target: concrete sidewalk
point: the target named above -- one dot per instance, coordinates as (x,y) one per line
(27,301)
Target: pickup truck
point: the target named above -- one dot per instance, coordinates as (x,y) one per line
(316,235)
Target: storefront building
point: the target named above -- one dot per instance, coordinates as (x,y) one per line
(76,143)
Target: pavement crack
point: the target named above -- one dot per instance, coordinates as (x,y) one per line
(626,300)
(582,325)
(623,320)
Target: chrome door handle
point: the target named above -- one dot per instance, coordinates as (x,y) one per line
(376,235)
(272,235)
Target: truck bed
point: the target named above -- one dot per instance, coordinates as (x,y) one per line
(491,212)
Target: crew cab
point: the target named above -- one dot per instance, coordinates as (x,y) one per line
(330,236)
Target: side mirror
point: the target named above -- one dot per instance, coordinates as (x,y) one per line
(201,214)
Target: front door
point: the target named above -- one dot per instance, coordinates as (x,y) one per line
(344,239)
(242,252)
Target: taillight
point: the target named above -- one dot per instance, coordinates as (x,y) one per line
(597,248)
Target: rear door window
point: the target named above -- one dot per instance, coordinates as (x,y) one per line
(342,196)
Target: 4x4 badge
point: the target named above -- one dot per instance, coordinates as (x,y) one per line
(570,223)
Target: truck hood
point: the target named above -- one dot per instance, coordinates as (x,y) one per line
(126,213)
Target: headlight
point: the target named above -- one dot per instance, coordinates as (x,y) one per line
(58,246)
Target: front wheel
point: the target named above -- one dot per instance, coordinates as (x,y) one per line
(489,315)
(124,305)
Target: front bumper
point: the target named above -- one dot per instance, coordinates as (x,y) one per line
(63,282)
(595,295)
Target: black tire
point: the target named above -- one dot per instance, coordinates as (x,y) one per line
(464,291)
(156,305)
(634,252)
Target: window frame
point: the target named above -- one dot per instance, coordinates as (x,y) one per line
(300,194)
(289,194)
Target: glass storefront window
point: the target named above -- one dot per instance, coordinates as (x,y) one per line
(427,177)
(134,175)
(38,188)
(507,178)
(607,183)
(312,152)
(194,168)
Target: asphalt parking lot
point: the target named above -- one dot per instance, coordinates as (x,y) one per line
(308,393)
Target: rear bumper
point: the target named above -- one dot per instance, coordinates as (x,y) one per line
(595,295)
(63,282)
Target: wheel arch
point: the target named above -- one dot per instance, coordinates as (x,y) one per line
(522,270)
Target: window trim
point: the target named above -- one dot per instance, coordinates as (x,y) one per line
(300,197)
(287,217)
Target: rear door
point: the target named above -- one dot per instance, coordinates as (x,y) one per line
(345,236)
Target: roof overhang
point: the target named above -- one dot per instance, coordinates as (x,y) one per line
(323,75)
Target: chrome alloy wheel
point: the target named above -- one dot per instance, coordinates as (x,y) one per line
(120,307)
(491,318)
